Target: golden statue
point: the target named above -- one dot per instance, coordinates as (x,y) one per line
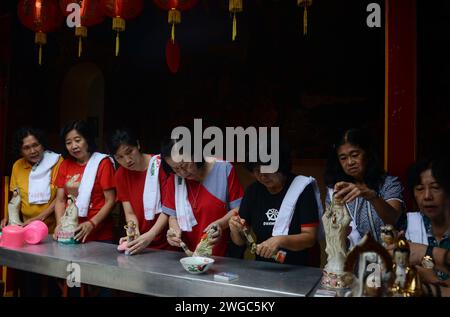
(407,281)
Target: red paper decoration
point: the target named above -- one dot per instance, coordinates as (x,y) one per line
(40,16)
(91,13)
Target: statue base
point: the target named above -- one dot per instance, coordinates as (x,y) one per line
(336,281)
(66,237)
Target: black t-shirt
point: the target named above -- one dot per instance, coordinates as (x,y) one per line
(260,209)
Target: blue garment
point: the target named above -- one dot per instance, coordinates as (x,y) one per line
(364,214)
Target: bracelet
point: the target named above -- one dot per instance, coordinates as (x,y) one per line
(92,223)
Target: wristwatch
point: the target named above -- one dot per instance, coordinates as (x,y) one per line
(427,260)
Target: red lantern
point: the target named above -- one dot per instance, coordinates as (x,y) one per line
(41,16)
(174,8)
(90,13)
(121,10)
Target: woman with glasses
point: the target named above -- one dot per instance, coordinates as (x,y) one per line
(199,196)
(33,177)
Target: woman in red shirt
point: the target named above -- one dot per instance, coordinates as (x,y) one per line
(94,222)
(213,192)
(133,176)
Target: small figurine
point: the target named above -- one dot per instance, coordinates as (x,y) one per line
(204,248)
(336,221)
(68,223)
(388,235)
(14,209)
(130,228)
(407,282)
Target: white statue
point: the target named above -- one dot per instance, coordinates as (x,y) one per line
(336,221)
(68,222)
(14,209)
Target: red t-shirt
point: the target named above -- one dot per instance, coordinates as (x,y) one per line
(210,200)
(104,180)
(130,188)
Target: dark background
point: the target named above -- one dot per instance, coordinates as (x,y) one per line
(272,75)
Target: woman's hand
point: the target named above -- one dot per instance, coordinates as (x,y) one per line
(139,244)
(427,275)
(174,237)
(236,224)
(268,248)
(4,222)
(83,230)
(39,217)
(348,192)
(55,233)
(215,237)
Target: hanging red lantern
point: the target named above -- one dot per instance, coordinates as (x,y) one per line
(40,16)
(234,6)
(119,11)
(90,14)
(174,8)
(305,4)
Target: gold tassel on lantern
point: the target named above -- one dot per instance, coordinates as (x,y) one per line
(174,18)
(234,6)
(305,4)
(80,32)
(40,38)
(118,26)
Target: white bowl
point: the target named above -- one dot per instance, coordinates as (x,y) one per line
(196,264)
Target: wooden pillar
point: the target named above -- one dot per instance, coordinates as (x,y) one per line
(401,86)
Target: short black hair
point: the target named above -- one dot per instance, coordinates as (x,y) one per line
(123,136)
(24,132)
(374,174)
(166,152)
(83,128)
(285,160)
(417,168)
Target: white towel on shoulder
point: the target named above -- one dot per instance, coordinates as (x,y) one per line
(87,183)
(152,191)
(416,231)
(185,215)
(39,188)
(286,212)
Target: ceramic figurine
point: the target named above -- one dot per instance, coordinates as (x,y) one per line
(204,248)
(407,282)
(14,209)
(68,222)
(130,228)
(336,221)
(388,235)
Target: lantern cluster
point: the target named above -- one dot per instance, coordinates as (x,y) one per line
(44,16)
